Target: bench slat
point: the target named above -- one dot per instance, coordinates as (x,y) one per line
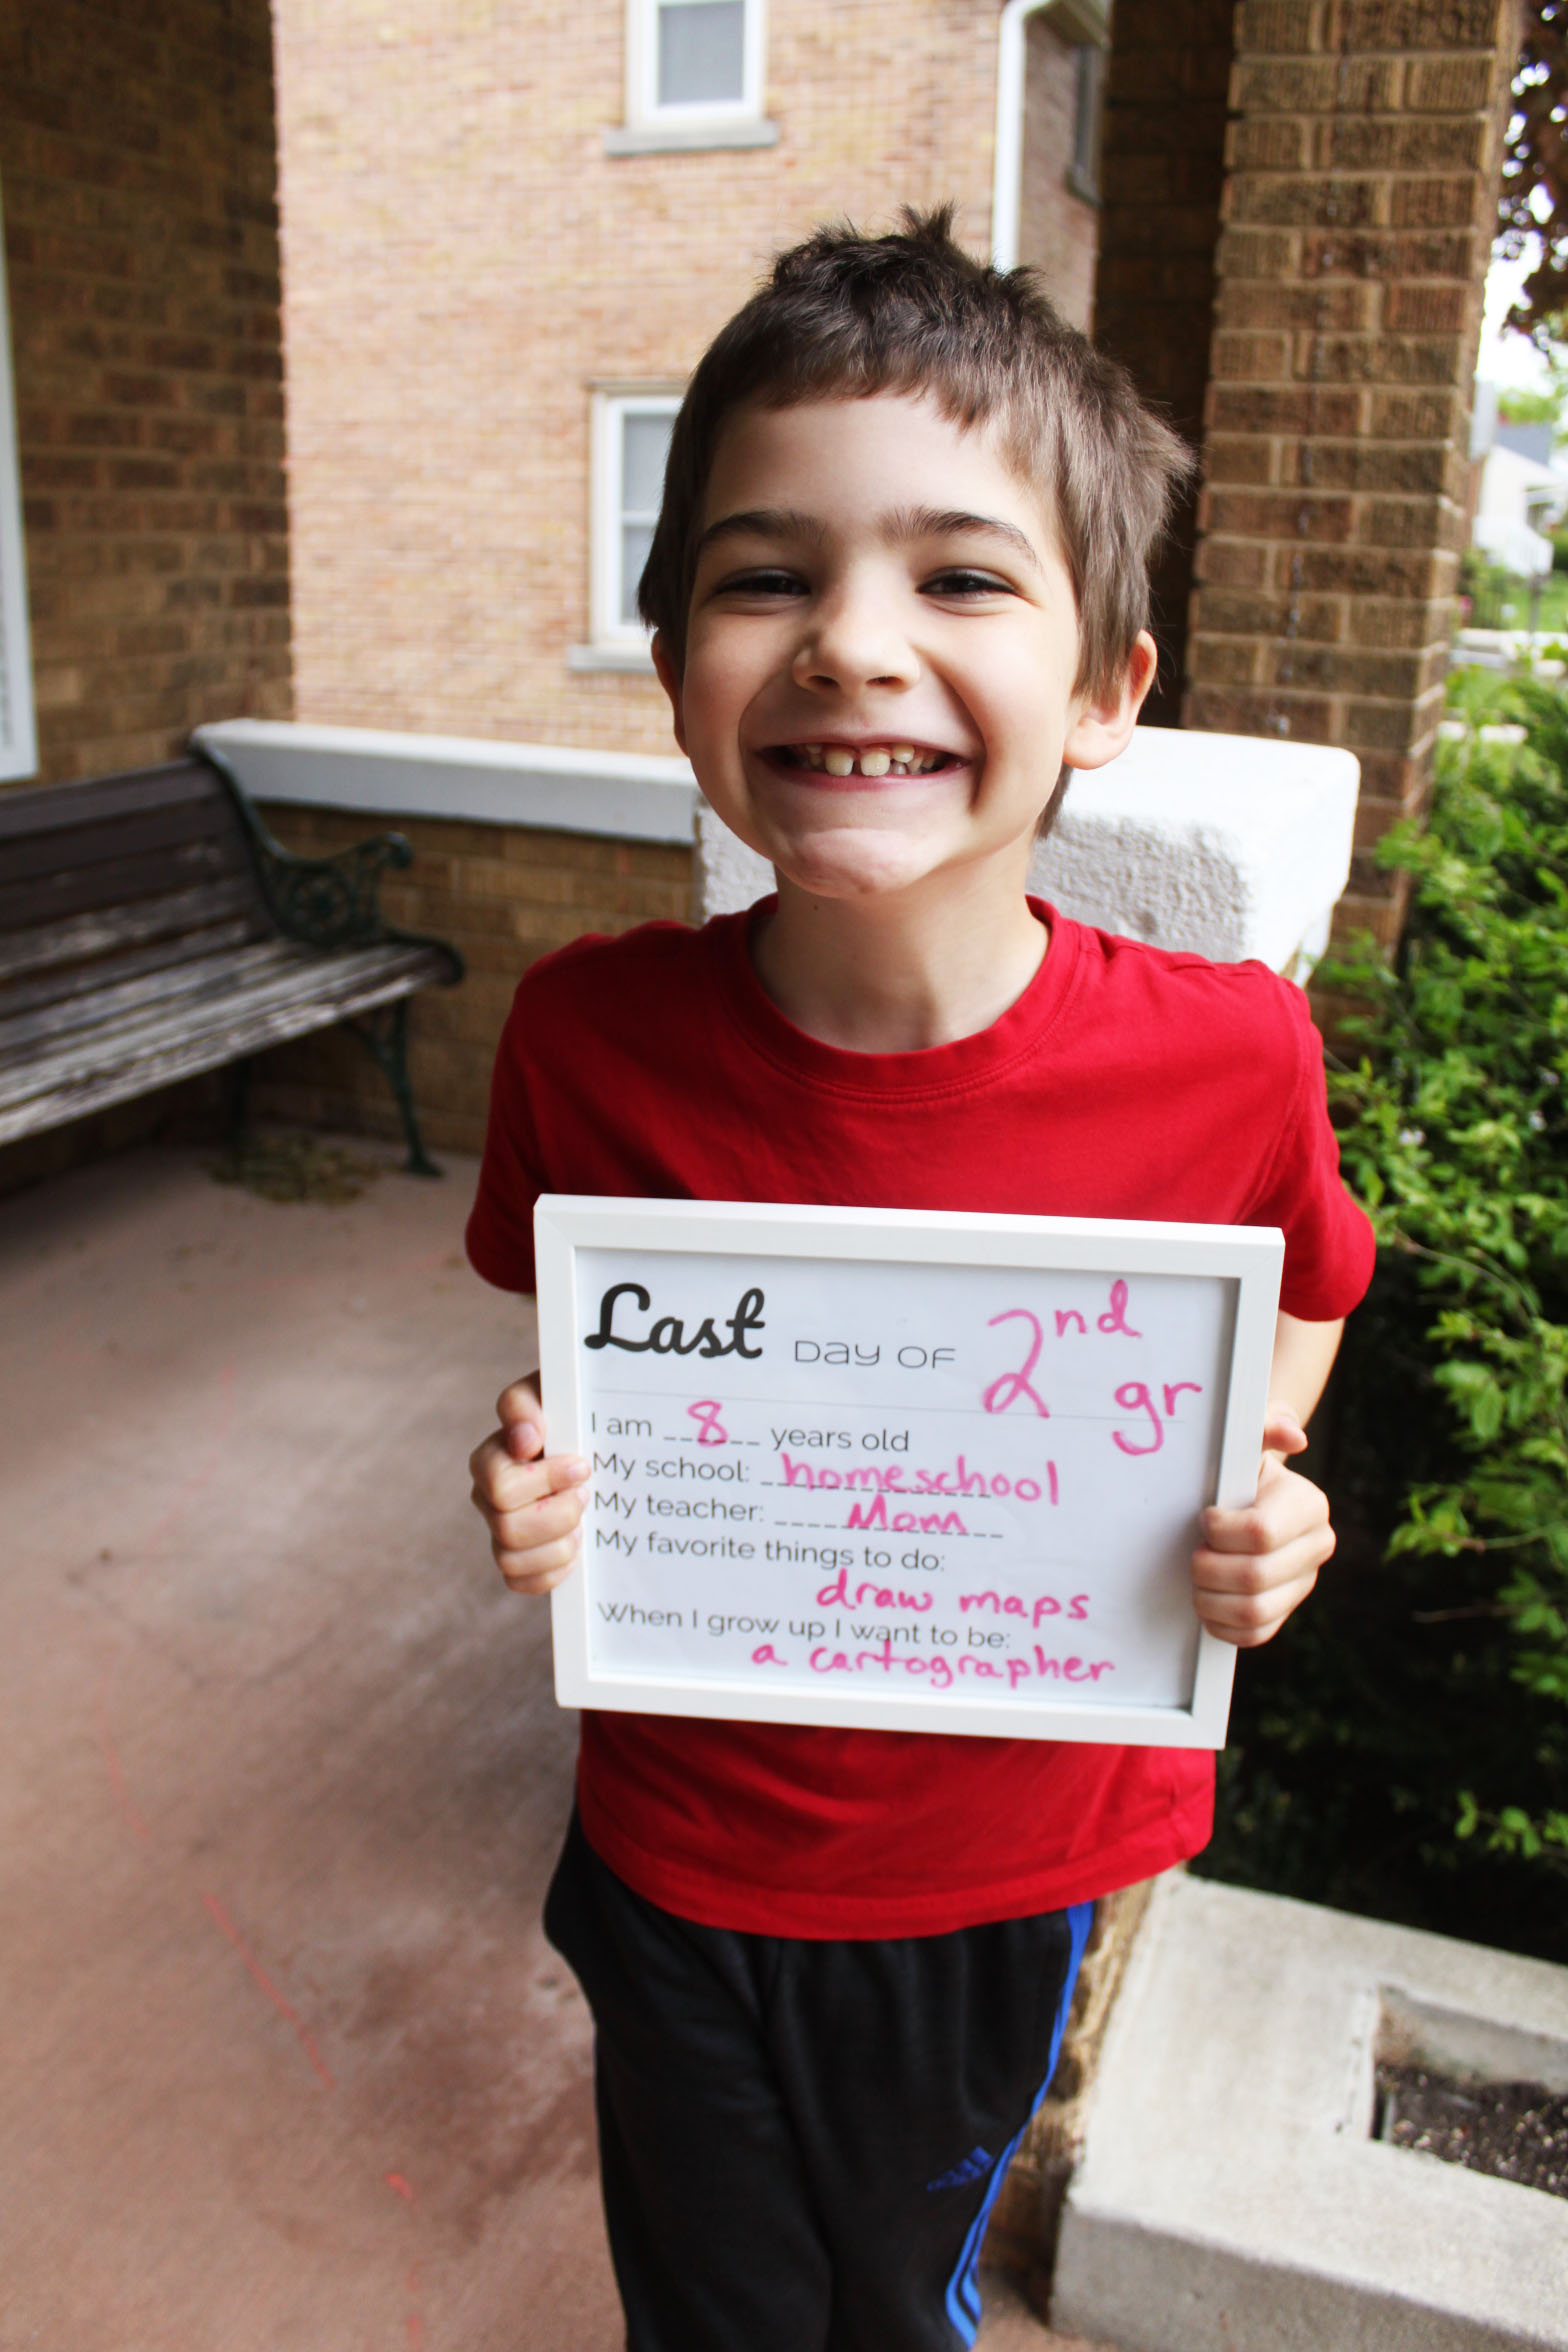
(30,1030)
(108,842)
(52,808)
(146,1035)
(49,898)
(104,929)
(164,955)
(188,1056)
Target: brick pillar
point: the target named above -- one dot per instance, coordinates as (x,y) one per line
(1161,176)
(1359,210)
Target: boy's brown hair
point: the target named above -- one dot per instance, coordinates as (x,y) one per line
(843,316)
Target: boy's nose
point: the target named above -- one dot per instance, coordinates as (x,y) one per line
(854,641)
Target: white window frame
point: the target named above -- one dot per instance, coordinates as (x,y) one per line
(18,730)
(608,632)
(643,111)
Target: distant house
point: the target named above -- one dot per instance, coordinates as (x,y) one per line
(1522,492)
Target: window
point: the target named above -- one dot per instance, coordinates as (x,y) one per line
(693,76)
(631,439)
(1083,173)
(699,54)
(18,740)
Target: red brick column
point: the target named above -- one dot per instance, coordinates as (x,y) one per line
(1162,175)
(1359,208)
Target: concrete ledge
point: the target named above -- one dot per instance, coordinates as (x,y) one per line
(691,138)
(1226,845)
(635,660)
(634,796)
(1230,2193)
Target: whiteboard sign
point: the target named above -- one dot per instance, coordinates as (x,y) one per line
(901,1470)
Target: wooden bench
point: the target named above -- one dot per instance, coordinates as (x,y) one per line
(151,928)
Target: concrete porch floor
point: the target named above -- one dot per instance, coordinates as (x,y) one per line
(287,2064)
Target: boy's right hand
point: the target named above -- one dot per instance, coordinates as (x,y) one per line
(531,1501)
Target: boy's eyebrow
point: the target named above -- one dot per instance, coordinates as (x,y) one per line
(927,522)
(918,522)
(763,522)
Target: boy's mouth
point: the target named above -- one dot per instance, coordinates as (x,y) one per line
(862,759)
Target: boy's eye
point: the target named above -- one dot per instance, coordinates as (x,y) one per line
(963,580)
(762,581)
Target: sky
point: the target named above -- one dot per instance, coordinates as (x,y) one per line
(1509,360)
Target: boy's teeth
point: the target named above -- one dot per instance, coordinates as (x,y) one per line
(874,760)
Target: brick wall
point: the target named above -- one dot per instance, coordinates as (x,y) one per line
(137,169)
(503,895)
(463,262)
(1360,204)
(1058,229)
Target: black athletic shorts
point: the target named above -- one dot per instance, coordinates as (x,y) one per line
(800,2142)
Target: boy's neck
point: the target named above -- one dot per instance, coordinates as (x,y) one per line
(902,973)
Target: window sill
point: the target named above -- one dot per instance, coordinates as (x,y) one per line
(635,658)
(673,138)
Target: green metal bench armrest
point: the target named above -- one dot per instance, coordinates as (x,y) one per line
(331,901)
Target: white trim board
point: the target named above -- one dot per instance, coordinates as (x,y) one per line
(632,796)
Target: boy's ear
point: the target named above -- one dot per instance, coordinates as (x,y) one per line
(1105,723)
(670,680)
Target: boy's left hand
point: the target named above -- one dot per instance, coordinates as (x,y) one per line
(1253,1567)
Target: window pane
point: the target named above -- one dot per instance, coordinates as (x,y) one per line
(1086,127)
(636,539)
(645,443)
(702,52)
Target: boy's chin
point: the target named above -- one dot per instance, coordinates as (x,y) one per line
(855,868)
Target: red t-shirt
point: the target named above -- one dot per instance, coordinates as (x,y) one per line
(1124,1082)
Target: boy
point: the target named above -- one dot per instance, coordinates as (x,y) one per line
(898,589)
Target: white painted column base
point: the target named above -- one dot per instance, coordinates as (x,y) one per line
(1226,845)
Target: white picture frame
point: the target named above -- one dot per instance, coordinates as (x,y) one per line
(1087,1579)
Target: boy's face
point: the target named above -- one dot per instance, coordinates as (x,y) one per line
(878,592)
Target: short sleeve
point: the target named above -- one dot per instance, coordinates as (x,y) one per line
(1329,1243)
(500,1234)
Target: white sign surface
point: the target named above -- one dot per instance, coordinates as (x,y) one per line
(902,1470)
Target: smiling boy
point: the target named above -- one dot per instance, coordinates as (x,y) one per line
(898,588)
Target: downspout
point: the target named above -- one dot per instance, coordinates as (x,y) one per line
(1090,19)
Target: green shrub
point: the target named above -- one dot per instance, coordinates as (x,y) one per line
(1497,597)
(1403,1748)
